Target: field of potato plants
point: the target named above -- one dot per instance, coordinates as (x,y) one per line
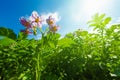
(79,55)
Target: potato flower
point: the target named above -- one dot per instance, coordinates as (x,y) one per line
(25,22)
(50,21)
(35,19)
(52,25)
(53,28)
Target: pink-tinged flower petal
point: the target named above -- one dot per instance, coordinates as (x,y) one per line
(35,19)
(25,23)
(50,21)
(34,14)
(39,25)
(31,19)
(34,24)
(54,28)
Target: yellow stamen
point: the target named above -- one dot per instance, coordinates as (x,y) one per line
(37,20)
(54,28)
(27,24)
(50,22)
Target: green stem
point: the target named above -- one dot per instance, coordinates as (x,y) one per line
(38,73)
(39,62)
(103,46)
(39,58)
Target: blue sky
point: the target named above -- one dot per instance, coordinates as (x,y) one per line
(74,13)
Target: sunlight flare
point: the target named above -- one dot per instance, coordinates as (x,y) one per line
(90,7)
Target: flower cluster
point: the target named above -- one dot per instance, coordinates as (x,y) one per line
(36,21)
(52,24)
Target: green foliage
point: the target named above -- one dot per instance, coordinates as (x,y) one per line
(7,41)
(77,56)
(22,36)
(99,21)
(7,33)
(65,42)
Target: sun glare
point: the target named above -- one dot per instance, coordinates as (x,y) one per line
(91,7)
(84,9)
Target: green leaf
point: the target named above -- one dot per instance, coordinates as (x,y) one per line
(102,16)
(22,51)
(24,43)
(107,20)
(7,41)
(90,21)
(65,42)
(95,16)
(94,24)
(84,33)
(7,33)
(21,36)
(57,35)
(51,44)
